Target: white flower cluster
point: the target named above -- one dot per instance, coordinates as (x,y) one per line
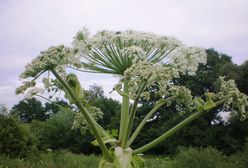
(34,91)
(53,58)
(115,52)
(128,46)
(153,74)
(237,102)
(81,123)
(186,60)
(183,98)
(26,84)
(128,38)
(135,53)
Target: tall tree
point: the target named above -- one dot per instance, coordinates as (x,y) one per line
(30,109)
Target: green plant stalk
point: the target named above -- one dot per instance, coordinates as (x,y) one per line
(124,112)
(132,115)
(143,122)
(175,129)
(49,100)
(87,116)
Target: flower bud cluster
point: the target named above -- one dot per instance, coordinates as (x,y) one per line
(34,91)
(53,58)
(183,98)
(153,74)
(237,102)
(81,123)
(186,60)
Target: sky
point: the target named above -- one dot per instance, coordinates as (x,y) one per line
(30,26)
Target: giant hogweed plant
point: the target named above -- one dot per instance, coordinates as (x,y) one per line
(142,62)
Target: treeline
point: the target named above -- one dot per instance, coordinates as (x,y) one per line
(32,126)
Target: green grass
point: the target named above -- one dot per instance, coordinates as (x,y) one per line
(51,160)
(66,160)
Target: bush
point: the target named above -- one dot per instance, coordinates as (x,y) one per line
(199,158)
(240,160)
(16,139)
(56,133)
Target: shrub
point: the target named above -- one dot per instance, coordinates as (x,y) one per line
(199,158)
(16,139)
(240,160)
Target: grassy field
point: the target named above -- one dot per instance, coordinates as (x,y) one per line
(66,160)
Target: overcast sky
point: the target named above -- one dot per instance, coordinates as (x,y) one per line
(30,26)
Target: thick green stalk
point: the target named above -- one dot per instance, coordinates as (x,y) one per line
(124,112)
(169,132)
(175,129)
(87,116)
(132,115)
(143,122)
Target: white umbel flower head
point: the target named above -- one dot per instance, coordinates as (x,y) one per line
(187,60)
(34,91)
(114,52)
(237,102)
(53,58)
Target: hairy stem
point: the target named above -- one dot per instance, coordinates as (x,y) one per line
(175,129)
(124,113)
(87,116)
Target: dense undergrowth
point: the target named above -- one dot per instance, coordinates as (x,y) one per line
(186,158)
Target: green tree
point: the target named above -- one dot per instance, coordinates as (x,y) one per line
(30,109)
(3,110)
(244,77)
(53,108)
(15,139)
(57,133)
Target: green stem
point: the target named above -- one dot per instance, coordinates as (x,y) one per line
(132,114)
(143,122)
(87,116)
(175,129)
(124,112)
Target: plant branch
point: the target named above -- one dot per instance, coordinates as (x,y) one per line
(143,122)
(49,101)
(175,129)
(87,116)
